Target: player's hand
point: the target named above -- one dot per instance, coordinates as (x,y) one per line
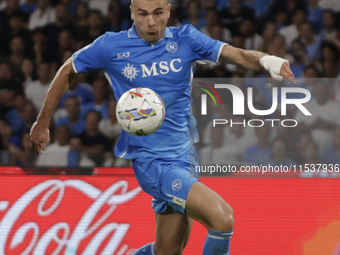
(278,68)
(39,137)
(286,73)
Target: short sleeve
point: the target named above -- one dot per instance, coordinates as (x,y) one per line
(91,57)
(204,46)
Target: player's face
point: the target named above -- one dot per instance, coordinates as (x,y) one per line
(150,17)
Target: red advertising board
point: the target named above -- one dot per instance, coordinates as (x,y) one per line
(111,215)
(41,215)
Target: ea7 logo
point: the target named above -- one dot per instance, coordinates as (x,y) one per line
(123,55)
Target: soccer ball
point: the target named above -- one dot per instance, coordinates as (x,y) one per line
(140,111)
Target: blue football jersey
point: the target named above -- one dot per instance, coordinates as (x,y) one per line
(165,67)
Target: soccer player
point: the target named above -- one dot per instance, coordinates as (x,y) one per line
(151,55)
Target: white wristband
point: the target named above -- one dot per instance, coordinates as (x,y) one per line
(273,64)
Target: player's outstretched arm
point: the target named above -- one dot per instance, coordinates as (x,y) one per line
(256,60)
(40,133)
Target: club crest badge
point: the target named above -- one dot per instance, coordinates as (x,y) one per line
(172,47)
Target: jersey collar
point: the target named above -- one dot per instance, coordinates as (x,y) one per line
(132,33)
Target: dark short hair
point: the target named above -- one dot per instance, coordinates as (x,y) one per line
(280,138)
(93,111)
(312,66)
(330,45)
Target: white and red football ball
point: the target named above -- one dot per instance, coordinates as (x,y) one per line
(140,111)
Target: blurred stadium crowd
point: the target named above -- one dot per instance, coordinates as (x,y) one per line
(37,36)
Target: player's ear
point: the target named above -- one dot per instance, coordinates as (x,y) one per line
(131,11)
(168,9)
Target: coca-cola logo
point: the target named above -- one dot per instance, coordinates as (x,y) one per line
(47,197)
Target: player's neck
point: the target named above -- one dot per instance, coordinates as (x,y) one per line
(152,43)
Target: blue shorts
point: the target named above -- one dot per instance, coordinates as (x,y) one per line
(167,180)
